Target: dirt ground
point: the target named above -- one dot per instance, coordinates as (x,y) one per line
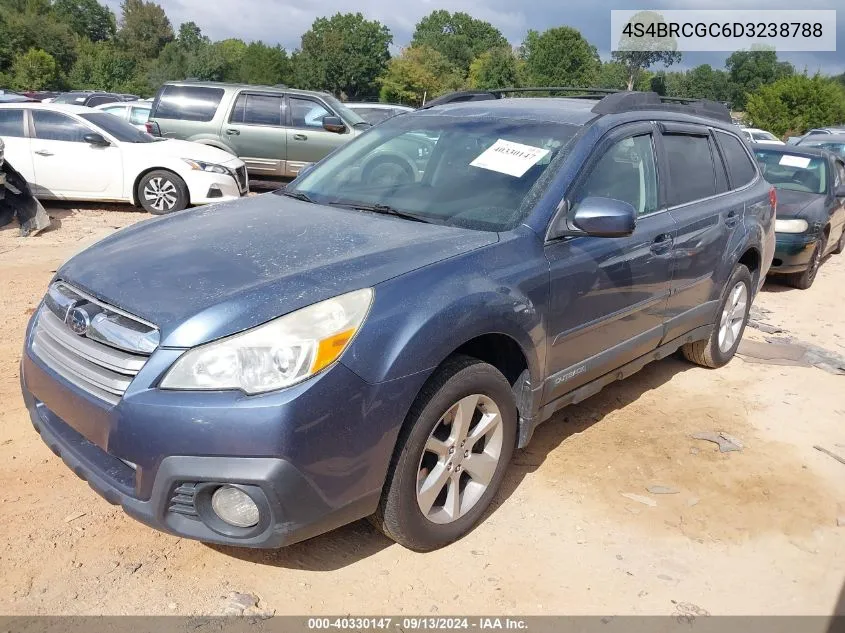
(747,532)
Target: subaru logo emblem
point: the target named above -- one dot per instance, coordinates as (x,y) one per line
(78,321)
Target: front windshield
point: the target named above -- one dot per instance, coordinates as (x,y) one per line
(793,172)
(347,113)
(118,128)
(470,172)
(837,148)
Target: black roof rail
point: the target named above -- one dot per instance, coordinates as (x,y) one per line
(610,101)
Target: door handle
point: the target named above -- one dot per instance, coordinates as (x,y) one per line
(233,132)
(300,137)
(662,244)
(731,219)
(43,152)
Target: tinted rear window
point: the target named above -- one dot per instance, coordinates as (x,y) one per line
(740,168)
(187,103)
(11,123)
(691,172)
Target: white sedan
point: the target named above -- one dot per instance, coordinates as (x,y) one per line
(71,152)
(136,112)
(755,135)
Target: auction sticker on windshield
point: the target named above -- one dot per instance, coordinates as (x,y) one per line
(788,160)
(510,158)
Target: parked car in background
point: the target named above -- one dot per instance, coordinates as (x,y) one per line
(275,130)
(77,153)
(834,142)
(89,99)
(340,349)
(135,112)
(810,224)
(795,140)
(375,113)
(8,96)
(755,135)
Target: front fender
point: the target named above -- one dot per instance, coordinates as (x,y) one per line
(418,319)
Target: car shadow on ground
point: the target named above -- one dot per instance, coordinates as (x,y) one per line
(357,541)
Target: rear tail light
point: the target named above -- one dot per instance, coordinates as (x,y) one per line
(773,199)
(152,128)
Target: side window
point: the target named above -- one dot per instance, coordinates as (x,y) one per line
(838,173)
(54,126)
(307,113)
(626,172)
(740,167)
(188,103)
(95,101)
(139,116)
(256,109)
(11,123)
(691,172)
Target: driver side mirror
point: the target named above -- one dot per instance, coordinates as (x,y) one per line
(598,217)
(97,140)
(333,124)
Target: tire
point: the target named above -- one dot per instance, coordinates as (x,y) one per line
(805,279)
(840,245)
(416,470)
(717,351)
(393,170)
(174,192)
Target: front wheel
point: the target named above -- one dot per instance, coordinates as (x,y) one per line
(452,456)
(720,348)
(840,245)
(162,191)
(804,280)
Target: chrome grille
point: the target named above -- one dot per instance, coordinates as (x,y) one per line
(104,352)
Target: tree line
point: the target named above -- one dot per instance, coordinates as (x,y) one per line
(81,44)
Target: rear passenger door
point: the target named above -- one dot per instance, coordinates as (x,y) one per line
(255,130)
(706,217)
(609,295)
(308,142)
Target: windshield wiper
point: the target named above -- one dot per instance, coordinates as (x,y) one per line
(297,195)
(380,208)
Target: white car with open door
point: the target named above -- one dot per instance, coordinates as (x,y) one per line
(76,153)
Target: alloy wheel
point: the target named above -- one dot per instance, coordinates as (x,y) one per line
(460,458)
(161,193)
(733,316)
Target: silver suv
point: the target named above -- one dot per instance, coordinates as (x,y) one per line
(276,131)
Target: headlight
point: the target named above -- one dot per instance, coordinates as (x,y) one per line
(199,165)
(791,226)
(278,354)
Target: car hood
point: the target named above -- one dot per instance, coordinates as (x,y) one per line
(793,204)
(173,148)
(212,271)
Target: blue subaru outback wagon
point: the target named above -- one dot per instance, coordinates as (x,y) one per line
(260,372)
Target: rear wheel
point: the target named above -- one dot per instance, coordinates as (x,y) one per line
(453,453)
(732,318)
(805,279)
(162,191)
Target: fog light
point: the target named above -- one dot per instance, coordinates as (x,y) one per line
(235,507)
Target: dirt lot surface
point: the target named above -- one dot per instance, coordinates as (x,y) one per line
(747,532)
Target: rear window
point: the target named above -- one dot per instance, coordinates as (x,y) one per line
(11,123)
(793,171)
(691,172)
(187,103)
(741,170)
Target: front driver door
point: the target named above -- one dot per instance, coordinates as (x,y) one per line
(66,166)
(308,142)
(609,295)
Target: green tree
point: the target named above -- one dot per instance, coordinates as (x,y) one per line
(87,18)
(459,37)
(749,70)
(144,29)
(797,103)
(264,64)
(344,54)
(639,54)
(496,68)
(33,29)
(101,66)
(419,73)
(611,75)
(560,57)
(705,82)
(190,38)
(34,70)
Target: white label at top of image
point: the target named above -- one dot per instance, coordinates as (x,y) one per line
(510,158)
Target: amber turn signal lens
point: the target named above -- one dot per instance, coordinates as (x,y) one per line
(330,349)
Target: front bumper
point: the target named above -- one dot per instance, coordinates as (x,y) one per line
(208,188)
(315,455)
(793,252)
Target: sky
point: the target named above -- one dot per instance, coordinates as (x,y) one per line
(284,21)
